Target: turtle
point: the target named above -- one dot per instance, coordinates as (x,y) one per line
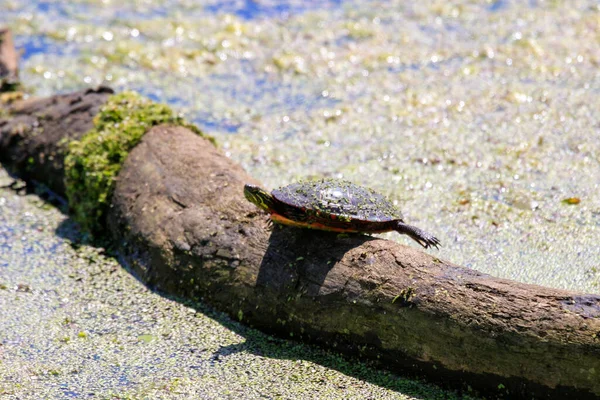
(335,205)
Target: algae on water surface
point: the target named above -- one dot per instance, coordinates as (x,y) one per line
(477,118)
(75,323)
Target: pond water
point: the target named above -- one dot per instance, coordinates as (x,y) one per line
(74,324)
(479,119)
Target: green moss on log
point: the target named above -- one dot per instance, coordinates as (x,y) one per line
(93,163)
(7,86)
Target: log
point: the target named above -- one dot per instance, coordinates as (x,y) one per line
(183,225)
(9,62)
(34,138)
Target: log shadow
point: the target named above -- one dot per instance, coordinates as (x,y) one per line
(283,243)
(263,345)
(316,253)
(313,254)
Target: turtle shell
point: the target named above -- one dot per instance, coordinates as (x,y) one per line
(340,198)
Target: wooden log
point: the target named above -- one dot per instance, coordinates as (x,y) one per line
(34,139)
(183,225)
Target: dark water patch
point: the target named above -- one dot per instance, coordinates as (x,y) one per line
(121,375)
(431,65)
(498,5)
(260,93)
(67,392)
(154,95)
(53,8)
(251,9)
(242,95)
(208,123)
(43,6)
(37,44)
(58,9)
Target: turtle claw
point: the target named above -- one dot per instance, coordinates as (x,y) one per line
(431,242)
(270,224)
(418,235)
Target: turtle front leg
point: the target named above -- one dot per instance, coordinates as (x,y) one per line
(418,235)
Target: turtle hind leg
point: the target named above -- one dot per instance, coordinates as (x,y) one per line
(418,235)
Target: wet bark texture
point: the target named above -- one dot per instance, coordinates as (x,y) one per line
(184,226)
(35,136)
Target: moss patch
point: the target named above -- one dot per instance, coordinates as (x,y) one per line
(9,86)
(93,163)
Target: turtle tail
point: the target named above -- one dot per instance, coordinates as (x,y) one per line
(420,236)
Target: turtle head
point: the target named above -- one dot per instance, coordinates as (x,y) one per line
(259,197)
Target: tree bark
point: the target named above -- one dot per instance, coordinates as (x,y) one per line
(184,227)
(35,137)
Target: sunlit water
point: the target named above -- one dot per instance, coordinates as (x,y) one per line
(478,119)
(75,324)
